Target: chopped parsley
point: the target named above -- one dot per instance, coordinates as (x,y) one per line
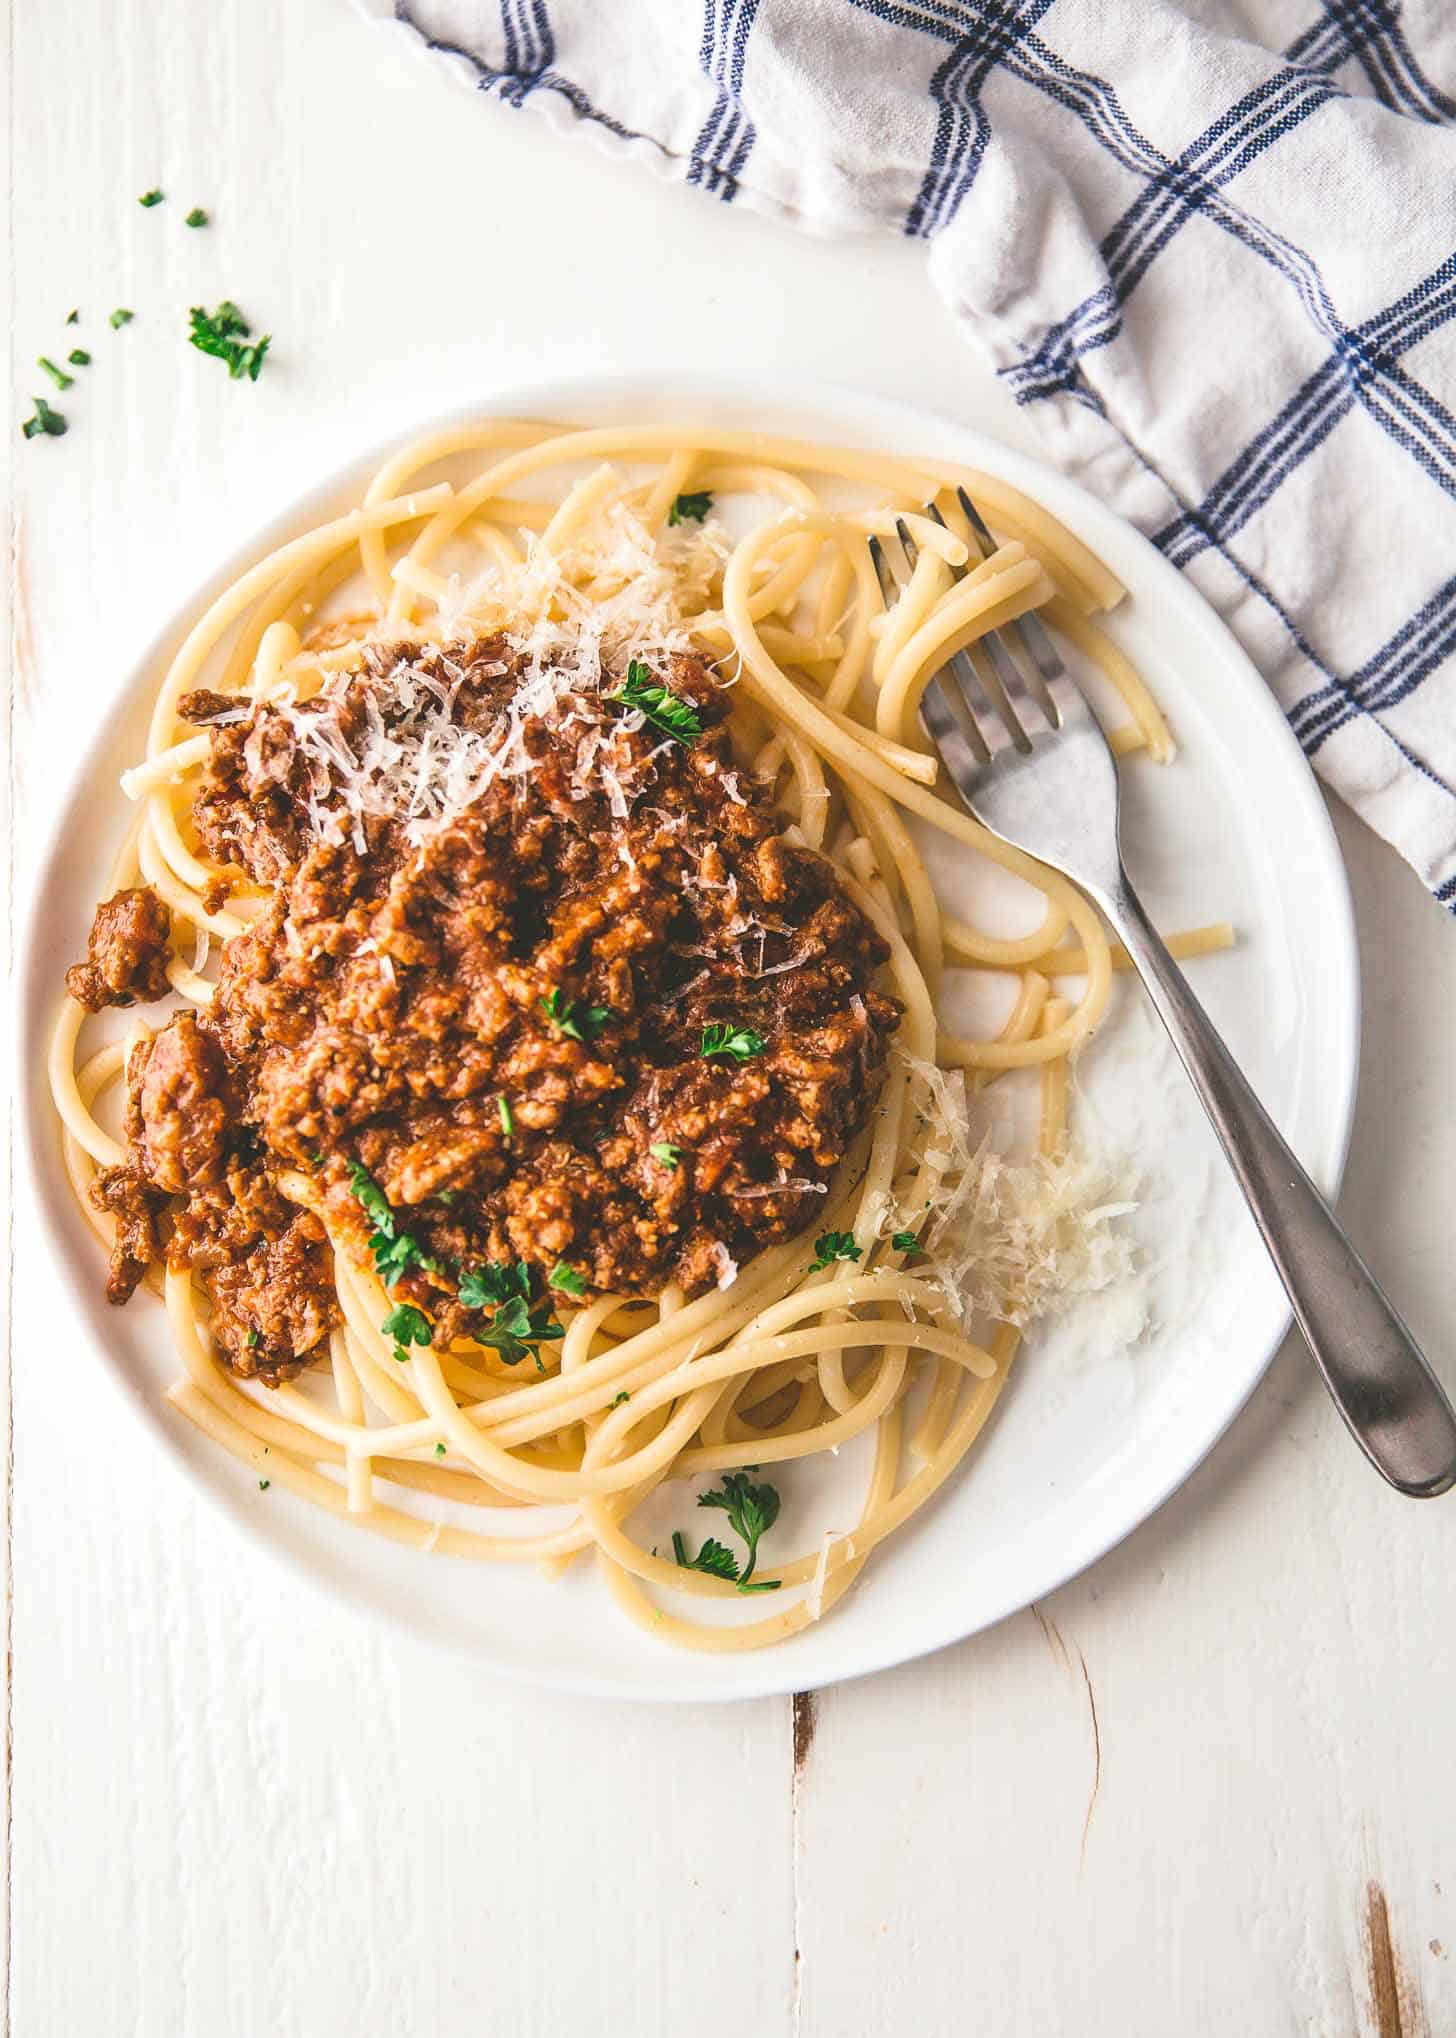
(395,1251)
(79,358)
(494,1281)
(659,704)
(905,1242)
(567,1279)
(507,1115)
(569,1018)
(264,1484)
(514,1327)
(618,1399)
(439,1450)
(714,1558)
(663,1150)
(739,1041)
(407,1326)
(197,217)
(73,317)
(693,506)
(45,420)
(58,375)
(830,1246)
(223,333)
(752,1511)
(254,1338)
(122,317)
(151,198)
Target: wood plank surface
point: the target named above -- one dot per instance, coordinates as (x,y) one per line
(1206,1789)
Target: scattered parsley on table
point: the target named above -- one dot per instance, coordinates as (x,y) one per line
(226,334)
(44,420)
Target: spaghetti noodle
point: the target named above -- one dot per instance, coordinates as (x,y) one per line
(600,549)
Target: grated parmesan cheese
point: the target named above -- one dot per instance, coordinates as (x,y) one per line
(575,620)
(1015,1240)
(725,1263)
(814,1600)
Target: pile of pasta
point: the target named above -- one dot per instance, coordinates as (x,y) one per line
(576,542)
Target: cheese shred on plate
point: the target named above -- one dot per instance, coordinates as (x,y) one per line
(1014,1240)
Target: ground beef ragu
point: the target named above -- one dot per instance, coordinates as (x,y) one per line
(126,955)
(389,1008)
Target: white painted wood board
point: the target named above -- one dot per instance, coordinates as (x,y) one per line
(235,1809)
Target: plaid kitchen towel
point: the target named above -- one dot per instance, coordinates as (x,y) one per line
(1210,245)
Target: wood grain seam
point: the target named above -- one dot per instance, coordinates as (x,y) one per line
(13,578)
(1061,1652)
(1398,2004)
(804,1720)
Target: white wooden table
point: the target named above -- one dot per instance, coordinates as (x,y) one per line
(1207,1789)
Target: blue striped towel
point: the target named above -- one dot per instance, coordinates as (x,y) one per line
(1210,245)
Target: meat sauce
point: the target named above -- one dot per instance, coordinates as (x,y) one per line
(501,1016)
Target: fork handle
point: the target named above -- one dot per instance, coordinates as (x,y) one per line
(1390,1399)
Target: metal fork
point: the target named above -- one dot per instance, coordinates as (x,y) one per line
(1030,760)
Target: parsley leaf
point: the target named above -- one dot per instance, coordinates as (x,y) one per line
(618,1399)
(905,1242)
(58,375)
(739,1041)
(439,1450)
(264,1484)
(73,317)
(569,1018)
(694,506)
(395,1251)
(567,1279)
(663,1150)
(79,358)
(47,421)
(197,217)
(255,1337)
(407,1325)
(515,1329)
(122,317)
(751,1510)
(495,1281)
(658,703)
(151,198)
(833,1245)
(222,333)
(507,1115)
(714,1558)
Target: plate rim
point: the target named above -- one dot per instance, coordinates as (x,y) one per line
(857,416)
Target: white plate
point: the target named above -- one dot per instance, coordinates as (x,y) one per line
(1092,1434)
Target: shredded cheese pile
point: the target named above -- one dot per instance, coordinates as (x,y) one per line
(615,593)
(577,619)
(1015,1240)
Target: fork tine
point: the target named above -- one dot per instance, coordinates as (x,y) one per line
(977,523)
(952,726)
(992,721)
(884,573)
(1024,712)
(1030,632)
(1041,695)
